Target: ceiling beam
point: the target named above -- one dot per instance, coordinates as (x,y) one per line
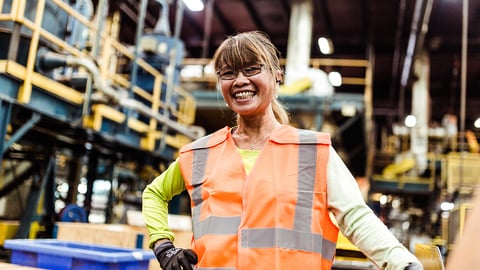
(286,7)
(327,20)
(223,20)
(396,53)
(418,31)
(254,14)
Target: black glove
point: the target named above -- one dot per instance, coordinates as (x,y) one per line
(172,258)
(414,266)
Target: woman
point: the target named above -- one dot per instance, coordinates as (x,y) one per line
(262,193)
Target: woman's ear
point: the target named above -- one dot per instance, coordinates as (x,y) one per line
(278,76)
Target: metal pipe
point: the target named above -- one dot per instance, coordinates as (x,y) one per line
(138,37)
(101,7)
(179,18)
(136,53)
(119,96)
(463,75)
(98,81)
(299,39)
(21,131)
(415,42)
(396,52)
(163,26)
(192,132)
(208,28)
(5,111)
(463,87)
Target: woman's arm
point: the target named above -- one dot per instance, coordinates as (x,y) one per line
(155,200)
(358,222)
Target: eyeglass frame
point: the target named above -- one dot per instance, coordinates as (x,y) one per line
(235,72)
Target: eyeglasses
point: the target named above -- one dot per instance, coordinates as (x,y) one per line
(230,74)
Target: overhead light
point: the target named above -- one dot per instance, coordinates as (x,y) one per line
(383,199)
(348,109)
(477,123)
(194,5)
(447,206)
(325,45)
(192,71)
(410,121)
(335,78)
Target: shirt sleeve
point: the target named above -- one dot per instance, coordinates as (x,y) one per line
(155,199)
(358,222)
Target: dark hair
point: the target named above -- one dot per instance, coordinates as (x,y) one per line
(249,48)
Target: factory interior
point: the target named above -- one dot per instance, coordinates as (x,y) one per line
(97,97)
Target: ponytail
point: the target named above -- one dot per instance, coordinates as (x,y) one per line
(280,113)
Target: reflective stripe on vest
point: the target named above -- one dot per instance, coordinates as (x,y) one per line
(275,237)
(212,225)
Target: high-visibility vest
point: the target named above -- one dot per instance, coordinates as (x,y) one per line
(276,217)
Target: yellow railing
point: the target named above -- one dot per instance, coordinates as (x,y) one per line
(318,63)
(110,55)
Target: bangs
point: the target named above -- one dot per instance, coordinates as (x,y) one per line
(238,52)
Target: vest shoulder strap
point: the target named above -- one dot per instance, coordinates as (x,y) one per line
(290,135)
(284,135)
(208,141)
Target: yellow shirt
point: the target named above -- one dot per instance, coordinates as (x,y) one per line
(248,157)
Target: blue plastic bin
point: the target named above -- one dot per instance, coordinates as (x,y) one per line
(69,255)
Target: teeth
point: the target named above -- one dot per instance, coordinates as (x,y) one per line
(244,95)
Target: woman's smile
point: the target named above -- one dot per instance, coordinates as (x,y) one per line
(242,95)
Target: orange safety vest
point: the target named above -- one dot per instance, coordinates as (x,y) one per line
(274,218)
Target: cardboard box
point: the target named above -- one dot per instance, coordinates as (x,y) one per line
(9,266)
(122,235)
(118,235)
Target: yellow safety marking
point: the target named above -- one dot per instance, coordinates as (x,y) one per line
(296,87)
(55,40)
(353,81)
(64,92)
(71,11)
(6,17)
(143,93)
(25,90)
(101,111)
(104,111)
(137,125)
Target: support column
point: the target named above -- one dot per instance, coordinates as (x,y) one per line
(299,38)
(421,110)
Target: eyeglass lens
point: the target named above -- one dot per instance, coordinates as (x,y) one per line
(229,74)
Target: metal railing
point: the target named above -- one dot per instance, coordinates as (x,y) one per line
(101,65)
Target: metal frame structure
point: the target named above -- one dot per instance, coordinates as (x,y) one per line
(63,101)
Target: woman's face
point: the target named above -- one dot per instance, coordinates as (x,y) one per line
(249,90)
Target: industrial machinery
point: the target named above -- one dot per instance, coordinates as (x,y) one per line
(86,121)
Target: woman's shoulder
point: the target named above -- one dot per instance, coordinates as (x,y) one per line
(290,134)
(208,140)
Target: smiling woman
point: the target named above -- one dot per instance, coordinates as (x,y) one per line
(263,193)
(253,54)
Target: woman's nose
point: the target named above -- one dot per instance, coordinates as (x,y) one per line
(241,78)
